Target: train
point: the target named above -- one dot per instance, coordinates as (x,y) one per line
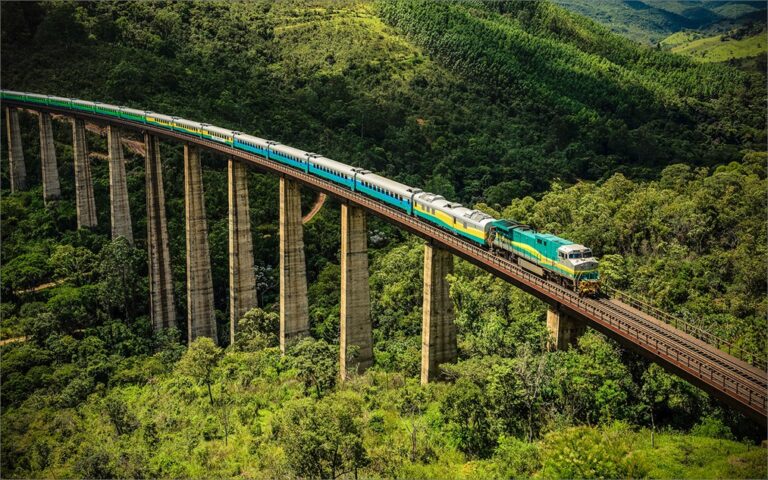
(551,257)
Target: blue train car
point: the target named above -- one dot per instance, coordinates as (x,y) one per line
(332,170)
(386,190)
(289,156)
(252,144)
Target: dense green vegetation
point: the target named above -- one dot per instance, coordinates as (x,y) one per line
(526,110)
(455,116)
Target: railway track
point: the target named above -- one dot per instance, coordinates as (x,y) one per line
(712,355)
(740,384)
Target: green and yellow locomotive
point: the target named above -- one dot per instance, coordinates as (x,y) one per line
(546,255)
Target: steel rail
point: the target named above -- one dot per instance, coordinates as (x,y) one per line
(704,365)
(686,326)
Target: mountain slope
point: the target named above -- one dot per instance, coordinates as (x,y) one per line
(499,106)
(651,21)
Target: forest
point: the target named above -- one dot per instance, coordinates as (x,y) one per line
(521,109)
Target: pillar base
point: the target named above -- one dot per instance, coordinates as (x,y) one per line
(564,331)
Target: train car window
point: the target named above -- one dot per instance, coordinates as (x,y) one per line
(538,240)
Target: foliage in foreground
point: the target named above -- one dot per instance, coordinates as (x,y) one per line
(93,393)
(265,422)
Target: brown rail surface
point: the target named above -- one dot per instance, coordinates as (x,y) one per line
(737,383)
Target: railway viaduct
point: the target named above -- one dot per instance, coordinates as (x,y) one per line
(677,346)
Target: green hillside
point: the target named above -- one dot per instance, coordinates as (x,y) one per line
(522,109)
(562,97)
(651,21)
(719,48)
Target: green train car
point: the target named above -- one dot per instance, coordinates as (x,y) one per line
(546,255)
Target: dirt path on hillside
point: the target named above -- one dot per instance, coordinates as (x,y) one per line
(38,288)
(321,197)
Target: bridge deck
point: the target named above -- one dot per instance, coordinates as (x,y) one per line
(719,373)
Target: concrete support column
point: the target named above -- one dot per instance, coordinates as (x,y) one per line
(51,186)
(15,154)
(118,188)
(355,294)
(294,311)
(201,321)
(162,311)
(86,205)
(242,281)
(564,331)
(438,334)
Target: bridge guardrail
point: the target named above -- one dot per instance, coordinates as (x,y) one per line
(748,356)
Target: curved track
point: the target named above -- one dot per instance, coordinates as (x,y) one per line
(736,382)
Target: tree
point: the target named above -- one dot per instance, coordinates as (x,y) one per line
(199,362)
(122,285)
(324,439)
(533,377)
(258,329)
(75,264)
(466,412)
(316,363)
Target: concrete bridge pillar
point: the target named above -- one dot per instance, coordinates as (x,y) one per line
(242,281)
(16,165)
(118,188)
(564,330)
(51,186)
(294,311)
(162,309)
(438,334)
(86,205)
(355,294)
(201,321)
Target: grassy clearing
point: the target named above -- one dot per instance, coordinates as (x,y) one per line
(714,49)
(687,456)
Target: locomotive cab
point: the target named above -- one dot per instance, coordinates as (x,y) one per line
(581,263)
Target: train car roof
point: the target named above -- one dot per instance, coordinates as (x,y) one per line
(391,185)
(572,247)
(342,167)
(479,216)
(214,128)
(252,138)
(184,120)
(290,150)
(508,225)
(159,115)
(553,238)
(438,201)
